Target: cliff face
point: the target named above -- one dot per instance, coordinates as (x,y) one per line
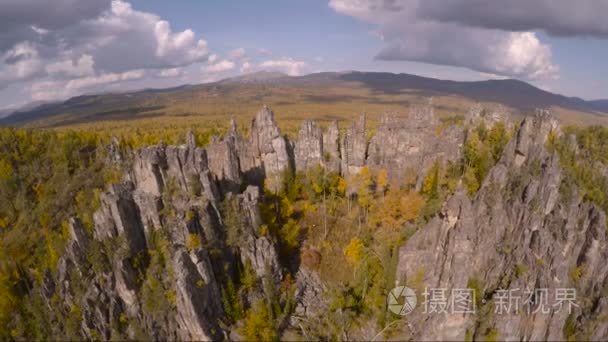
(523,231)
(174,192)
(185,219)
(413,145)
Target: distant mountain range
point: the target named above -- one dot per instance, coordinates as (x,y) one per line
(512,93)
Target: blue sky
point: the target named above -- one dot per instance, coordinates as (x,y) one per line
(308,29)
(113,45)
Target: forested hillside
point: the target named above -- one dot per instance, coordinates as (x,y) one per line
(225,233)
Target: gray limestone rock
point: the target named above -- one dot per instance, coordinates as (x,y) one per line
(520,216)
(224,164)
(488,115)
(354,148)
(308,151)
(271,147)
(331,147)
(514,234)
(412,145)
(310,294)
(258,250)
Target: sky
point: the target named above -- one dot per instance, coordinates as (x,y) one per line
(52,50)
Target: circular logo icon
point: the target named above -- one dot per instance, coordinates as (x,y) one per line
(401,300)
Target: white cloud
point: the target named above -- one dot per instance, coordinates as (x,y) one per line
(39,30)
(83,45)
(488,76)
(144,37)
(68,67)
(408,36)
(173,72)
(264,52)
(246,67)
(289,66)
(221,66)
(58,89)
(181,45)
(237,54)
(20,63)
(286,65)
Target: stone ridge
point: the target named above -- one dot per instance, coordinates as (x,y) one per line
(400,144)
(181,192)
(519,232)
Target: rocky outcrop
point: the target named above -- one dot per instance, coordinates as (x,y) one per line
(257,250)
(263,158)
(413,144)
(224,164)
(310,294)
(521,232)
(488,115)
(171,206)
(309,146)
(271,147)
(331,147)
(175,192)
(353,148)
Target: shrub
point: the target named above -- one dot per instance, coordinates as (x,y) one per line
(259,324)
(193,242)
(354,251)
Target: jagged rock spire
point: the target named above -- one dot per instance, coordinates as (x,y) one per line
(533,134)
(308,151)
(270,146)
(520,217)
(331,147)
(354,147)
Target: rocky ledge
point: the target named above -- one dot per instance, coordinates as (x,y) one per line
(188,218)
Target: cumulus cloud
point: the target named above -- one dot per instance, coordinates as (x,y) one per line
(237,53)
(286,65)
(144,37)
(246,67)
(172,72)
(472,34)
(556,17)
(22,62)
(57,89)
(83,66)
(82,45)
(220,66)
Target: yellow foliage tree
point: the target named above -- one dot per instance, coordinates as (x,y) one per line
(397,209)
(193,241)
(431,181)
(411,204)
(6,170)
(342,186)
(364,184)
(354,251)
(382,181)
(258,325)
